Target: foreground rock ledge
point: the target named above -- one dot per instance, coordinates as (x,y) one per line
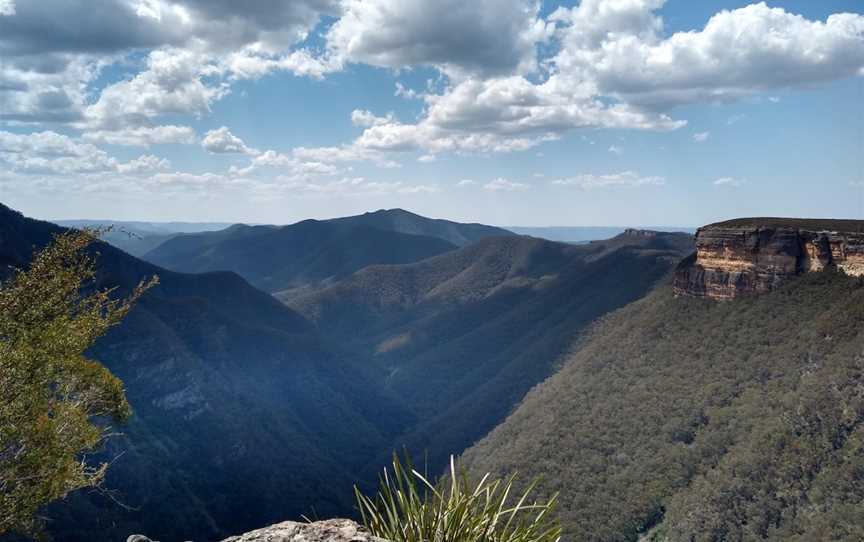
(331,530)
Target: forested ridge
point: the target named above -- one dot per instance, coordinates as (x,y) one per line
(683,419)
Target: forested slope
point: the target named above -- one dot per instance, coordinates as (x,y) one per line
(242,415)
(703,421)
(463,336)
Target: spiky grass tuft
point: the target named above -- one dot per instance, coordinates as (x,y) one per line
(409,508)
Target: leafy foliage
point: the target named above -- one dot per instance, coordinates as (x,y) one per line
(409,508)
(693,420)
(51,390)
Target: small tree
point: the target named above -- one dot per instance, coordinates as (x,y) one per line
(50,392)
(408,508)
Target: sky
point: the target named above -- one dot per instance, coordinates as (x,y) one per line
(507,112)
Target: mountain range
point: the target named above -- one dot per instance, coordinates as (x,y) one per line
(666,395)
(138,237)
(249,411)
(314,253)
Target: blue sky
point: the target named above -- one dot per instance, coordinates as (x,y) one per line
(511,112)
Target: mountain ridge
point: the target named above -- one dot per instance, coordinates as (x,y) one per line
(465,334)
(207,360)
(313,253)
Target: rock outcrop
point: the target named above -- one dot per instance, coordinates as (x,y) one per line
(331,530)
(755,255)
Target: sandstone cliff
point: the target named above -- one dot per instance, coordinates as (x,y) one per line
(754,255)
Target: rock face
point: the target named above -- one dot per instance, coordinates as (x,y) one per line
(755,255)
(333,530)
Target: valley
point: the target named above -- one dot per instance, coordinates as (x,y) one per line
(244,407)
(589,366)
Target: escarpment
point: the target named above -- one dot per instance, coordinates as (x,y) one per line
(755,255)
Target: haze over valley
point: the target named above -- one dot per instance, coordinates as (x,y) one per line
(431,271)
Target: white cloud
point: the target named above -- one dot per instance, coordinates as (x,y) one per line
(344,153)
(477,37)
(701,137)
(614,69)
(365,118)
(7,7)
(602,64)
(625,178)
(253,64)
(738,53)
(222,141)
(50,153)
(144,164)
(503,185)
(615,149)
(144,136)
(730,181)
(172,83)
(466,182)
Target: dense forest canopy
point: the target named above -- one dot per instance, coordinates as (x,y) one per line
(694,420)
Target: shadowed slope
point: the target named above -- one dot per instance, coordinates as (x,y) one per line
(464,335)
(240,412)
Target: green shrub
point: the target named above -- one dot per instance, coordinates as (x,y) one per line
(408,508)
(50,316)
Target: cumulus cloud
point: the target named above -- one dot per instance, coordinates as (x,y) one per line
(253,64)
(172,83)
(503,185)
(144,136)
(508,79)
(486,37)
(144,164)
(53,50)
(625,178)
(50,153)
(739,52)
(701,137)
(730,182)
(222,141)
(362,117)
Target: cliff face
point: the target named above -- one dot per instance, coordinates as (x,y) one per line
(753,256)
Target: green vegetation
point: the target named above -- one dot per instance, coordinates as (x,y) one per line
(51,390)
(463,336)
(409,508)
(831,224)
(702,421)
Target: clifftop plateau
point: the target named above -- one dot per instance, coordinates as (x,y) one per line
(754,255)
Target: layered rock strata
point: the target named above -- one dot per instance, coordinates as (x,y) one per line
(754,256)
